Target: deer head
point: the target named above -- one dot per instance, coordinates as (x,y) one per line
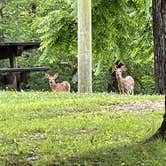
(51,78)
(118,71)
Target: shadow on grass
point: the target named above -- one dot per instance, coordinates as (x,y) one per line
(151,154)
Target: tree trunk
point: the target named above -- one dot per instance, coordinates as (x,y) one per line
(13,64)
(84,46)
(161,132)
(159,32)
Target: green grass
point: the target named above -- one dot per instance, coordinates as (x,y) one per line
(48,129)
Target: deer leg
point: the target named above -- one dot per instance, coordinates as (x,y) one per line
(120,91)
(128,92)
(132,91)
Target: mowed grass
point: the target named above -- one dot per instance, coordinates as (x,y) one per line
(48,129)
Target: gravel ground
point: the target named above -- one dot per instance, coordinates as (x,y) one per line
(138,106)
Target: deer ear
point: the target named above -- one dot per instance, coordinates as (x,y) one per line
(124,68)
(46,75)
(56,76)
(114,67)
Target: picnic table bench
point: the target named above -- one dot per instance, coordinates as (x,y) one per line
(11,50)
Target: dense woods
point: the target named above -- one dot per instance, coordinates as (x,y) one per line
(122,31)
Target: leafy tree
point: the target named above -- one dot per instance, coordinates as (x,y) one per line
(121,31)
(16,20)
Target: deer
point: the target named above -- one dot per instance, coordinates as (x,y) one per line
(57,87)
(125,85)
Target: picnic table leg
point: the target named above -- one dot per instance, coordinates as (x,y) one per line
(13,64)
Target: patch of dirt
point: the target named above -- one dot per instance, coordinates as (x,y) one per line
(138,106)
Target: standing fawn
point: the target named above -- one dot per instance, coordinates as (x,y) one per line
(57,87)
(125,85)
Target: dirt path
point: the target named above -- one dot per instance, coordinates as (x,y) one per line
(139,106)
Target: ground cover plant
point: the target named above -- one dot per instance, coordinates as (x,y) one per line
(45,128)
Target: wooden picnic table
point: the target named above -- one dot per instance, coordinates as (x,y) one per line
(11,50)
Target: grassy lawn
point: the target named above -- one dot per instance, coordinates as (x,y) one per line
(48,129)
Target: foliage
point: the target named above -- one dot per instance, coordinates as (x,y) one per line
(122,31)
(16,21)
(59,19)
(41,128)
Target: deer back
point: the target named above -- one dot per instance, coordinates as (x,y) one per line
(61,87)
(128,83)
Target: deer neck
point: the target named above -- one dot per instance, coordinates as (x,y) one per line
(120,79)
(53,85)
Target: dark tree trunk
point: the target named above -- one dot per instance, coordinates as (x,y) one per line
(159,32)
(161,132)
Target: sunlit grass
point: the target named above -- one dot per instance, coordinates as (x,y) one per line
(44,128)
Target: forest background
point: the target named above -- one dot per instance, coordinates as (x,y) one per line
(122,32)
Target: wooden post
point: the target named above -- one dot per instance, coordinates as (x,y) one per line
(84,47)
(13,64)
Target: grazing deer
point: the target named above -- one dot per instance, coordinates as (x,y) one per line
(125,85)
(57,87)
